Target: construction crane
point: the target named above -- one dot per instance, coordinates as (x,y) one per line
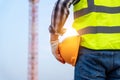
(33,40)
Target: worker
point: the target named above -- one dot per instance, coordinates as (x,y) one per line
(98,24)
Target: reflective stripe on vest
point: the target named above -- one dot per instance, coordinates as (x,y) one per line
(95,8)
(99,29)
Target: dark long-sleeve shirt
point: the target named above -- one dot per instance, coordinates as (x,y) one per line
(60,14)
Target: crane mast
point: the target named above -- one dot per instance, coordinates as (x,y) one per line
(33,40)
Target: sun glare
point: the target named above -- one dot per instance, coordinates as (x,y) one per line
(69,32)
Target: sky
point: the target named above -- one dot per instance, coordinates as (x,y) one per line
(14,29)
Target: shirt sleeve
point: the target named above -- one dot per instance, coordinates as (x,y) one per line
(59,15)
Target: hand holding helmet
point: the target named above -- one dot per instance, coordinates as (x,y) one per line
(54,46)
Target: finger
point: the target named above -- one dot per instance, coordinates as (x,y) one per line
(59,57)
(61,60)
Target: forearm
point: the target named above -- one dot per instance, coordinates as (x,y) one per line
(59,16)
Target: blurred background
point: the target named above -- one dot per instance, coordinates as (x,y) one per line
(14,40)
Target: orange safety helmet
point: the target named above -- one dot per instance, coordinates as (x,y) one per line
(69,49)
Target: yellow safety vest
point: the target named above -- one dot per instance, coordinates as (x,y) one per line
(98,23)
